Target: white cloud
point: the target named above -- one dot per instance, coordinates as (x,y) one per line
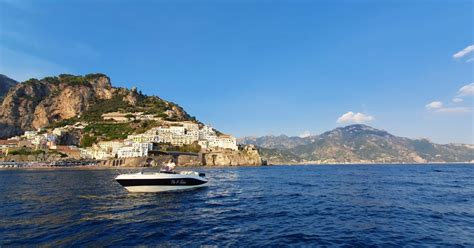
(466,90)
(355,118)
(305,134)
(463,52)
(454,110)
(438,106)
(434,105)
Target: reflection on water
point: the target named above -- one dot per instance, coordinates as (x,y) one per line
(263,206)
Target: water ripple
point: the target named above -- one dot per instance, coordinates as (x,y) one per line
(251,206)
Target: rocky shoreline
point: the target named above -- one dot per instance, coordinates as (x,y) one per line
(246,157)
(57,164)
(249,156)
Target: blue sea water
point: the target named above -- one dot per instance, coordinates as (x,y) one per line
(356,205)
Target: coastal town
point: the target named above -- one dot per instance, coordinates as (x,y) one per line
(170,133)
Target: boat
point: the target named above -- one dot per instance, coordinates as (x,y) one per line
(162,181)
(167,179)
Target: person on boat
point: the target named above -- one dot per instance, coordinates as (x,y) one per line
(169,167)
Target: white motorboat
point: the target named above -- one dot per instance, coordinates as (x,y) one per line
(162,181)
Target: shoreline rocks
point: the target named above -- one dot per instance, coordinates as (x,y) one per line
(248,156)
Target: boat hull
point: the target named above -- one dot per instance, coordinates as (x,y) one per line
(156,189)
(160,182)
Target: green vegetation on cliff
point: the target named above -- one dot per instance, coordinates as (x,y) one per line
(24,151)
(109,131)
(27,152)
(94,113)
(65,99)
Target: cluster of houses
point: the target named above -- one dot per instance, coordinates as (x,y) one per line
(42,140)
(173,133)
(126,117)
(137,145)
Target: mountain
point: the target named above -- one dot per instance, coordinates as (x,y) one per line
(360,144)
(281,142)
(276,156)
(68,98)
(5,84)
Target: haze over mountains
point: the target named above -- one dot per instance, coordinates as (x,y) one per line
(357,144)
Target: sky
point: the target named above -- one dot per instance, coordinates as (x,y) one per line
(252,68)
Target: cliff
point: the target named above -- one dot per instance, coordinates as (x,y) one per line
(248,156)
(38,157)
(37,103)
(34,104)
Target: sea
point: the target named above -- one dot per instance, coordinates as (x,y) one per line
(319,205)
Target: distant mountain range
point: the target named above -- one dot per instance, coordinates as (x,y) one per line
(356,144)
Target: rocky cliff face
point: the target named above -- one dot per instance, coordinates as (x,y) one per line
(36,103)
(43,157)
(248,156)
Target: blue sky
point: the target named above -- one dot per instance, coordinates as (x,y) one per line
(264,67)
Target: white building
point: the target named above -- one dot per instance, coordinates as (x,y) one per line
(227,142)
(135,150)
(179,140)
(166,138)
(176,134)
(192,134)
(37,140)
(204,144)
(29,134)
(95,152)
(206,133)
(58,131)
(144,138)
(223,142)
(178,130)
(86,153)
(111,147)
